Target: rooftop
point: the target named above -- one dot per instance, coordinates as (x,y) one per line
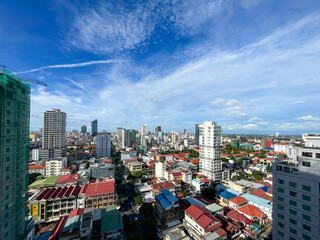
(111,219)
(53,193)
(47,182)
(98,188)
(251,211)
(214,207)
(238,200)
(166,198)
(68,178)
(32,167)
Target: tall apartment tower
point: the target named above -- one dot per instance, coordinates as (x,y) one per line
(127,138)
(119,133)
(103,145)
(296,195)
(94,127)
(143,130)
(14,155)
(83,129)
(156,130)
(210,137)
(54,134)
(196,133)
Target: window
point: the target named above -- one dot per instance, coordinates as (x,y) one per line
(292,230)
(293,203)
(306,198)
(305,164)
(281,234)
(306,237)
(307,154)
(280,181)
(292,221)
(306,217)
(280,224)
(307,208)
(306,227)
(293,212)
(306,188)
(292,184)
(293,194)
(281,190)
(281,199)
(280,207)
(317,155)
(291,238)
(281,216)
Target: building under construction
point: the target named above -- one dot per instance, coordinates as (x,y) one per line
(14,155)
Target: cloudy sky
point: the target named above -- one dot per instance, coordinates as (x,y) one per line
(253,66)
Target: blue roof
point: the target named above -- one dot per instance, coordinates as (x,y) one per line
(197,181)
(225,194)
(166,198)
(265,188)
(193,201)
(257,200)
(169,196)
(163,201)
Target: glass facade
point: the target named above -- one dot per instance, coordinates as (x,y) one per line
(14,155)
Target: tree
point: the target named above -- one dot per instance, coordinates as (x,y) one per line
(137,174)
(184,192)
(148,220)
(224,159)
(257,175)
(240,175)
(138,200)
(33,177)
(122,199)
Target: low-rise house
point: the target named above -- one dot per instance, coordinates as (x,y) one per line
(215,208)
(223,197)
(97,195)
(64,171)
(202,225)
(263,204)
(52,203)
(158,187)
(237,202)
(262,194)
(167,207)
(197,185)
(37,169)
(111,223)
(175,234)
(253,213)
(234,215)
(102,170)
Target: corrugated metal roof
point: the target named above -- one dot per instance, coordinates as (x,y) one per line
(169,196)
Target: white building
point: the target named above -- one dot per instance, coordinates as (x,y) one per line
(210,150)
(36,155)
(143,130)
(297,193)
(160,169)
(311,139)
(103,145)
(54,165)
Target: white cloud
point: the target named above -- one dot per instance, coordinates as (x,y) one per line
(308,118)
(254,119)
(235,114)
(73,65)
(222,102)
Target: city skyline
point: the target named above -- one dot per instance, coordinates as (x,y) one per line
(159,68)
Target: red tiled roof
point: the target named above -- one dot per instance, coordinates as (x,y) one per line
(249,233)
(203,217)
(68,178)
(78,211)
(238,200)
(52,193)
(162,186)
(205,200)
(251,211)
(206,180)
(195,161)
(238,217)
(58,228)
(176,174)
(239,155)
(32,167)
(221,232)
(262,194)
(97,188)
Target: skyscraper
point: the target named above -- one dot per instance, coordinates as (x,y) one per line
(127,138)
(54,134)
(156,130)
(210,149)
(94,127)
(196,134)
(119,133)
(103,145)
(83,129)
(14,155)
(143,130)
(296,194)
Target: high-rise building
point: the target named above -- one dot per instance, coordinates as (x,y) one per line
(156,130)
(210,150)
(120,133)
(127,138)
(296,194)
(14,155)
(84,129)
(94,127)
(143,130)
(103,145)
(133,135)
(54,134)
(196,134)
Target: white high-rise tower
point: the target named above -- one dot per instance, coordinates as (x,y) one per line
(210,137)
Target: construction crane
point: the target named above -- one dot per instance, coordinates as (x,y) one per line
(4,70)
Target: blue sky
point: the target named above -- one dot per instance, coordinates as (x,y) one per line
(252,66)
